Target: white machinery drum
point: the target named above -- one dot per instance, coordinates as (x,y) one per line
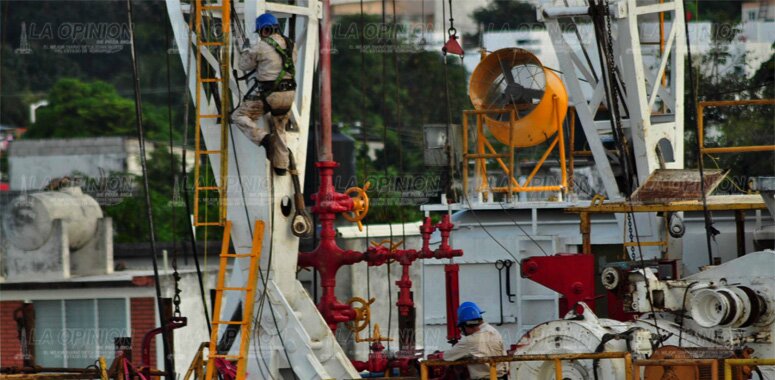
(579,334)
(29,221)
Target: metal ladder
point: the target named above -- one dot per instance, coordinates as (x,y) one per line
(207,40)
(247,304)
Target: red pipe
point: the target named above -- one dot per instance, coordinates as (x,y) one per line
(453,300)
(328,257)
(405,302)
(377,361)
(325,84)
(174,323)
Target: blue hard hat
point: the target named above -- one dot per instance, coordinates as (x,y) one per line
(467,312)
(266,20)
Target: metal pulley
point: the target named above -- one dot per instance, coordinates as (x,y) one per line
(514,79)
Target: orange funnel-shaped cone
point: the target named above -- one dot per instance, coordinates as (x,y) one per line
(515,79)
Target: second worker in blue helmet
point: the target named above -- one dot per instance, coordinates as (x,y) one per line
(479,340)
(271,89)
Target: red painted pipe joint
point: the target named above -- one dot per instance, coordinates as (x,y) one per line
(328,257)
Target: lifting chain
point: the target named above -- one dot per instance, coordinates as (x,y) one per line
(613,84)
(611,63)
(623,143)
(176,277)
(631,236)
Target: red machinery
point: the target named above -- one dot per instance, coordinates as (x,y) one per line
(328,257)
(572,275)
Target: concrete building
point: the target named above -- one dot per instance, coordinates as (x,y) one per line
(72,322)
(34,163)
(63,302)
(758,11)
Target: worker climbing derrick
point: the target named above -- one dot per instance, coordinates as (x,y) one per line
(272,61)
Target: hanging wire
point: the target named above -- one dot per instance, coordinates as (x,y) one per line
(394,42)
(481,225)
(710,231)
(524,232)
(448,105)
(389,287)
(262,300)
(368,279)
(362,38)
(422,24)
(365,140)
(169,364)
(262,277)
(602,21)
(257,319)
(174,180)
(184,176)
(384,93)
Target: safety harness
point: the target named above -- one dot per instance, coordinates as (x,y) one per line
(260,90)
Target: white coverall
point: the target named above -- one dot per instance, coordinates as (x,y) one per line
(487,341)
(268,63)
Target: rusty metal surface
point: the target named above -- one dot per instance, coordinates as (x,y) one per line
(556,358)
(527,358)
(714,203)
(667,185)
(50,376)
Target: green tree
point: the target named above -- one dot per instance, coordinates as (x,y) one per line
(718,12)
(130,220)
(92,109)
(29,76)
(503,15)
(399,87)
(734,125)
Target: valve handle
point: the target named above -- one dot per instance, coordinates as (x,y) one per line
(360,204)
(362,314)
(392,246)
(377,336)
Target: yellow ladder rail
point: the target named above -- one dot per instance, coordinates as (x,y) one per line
(249,288)
(221,43)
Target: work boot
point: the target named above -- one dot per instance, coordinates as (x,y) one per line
(265,143)
(278,154)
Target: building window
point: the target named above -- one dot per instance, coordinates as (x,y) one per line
(75,333)
(751,15)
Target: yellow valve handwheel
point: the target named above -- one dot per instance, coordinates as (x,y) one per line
(362,314)
(376,336)
(393,246)
(360,204)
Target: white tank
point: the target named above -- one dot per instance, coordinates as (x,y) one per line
(28,223)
